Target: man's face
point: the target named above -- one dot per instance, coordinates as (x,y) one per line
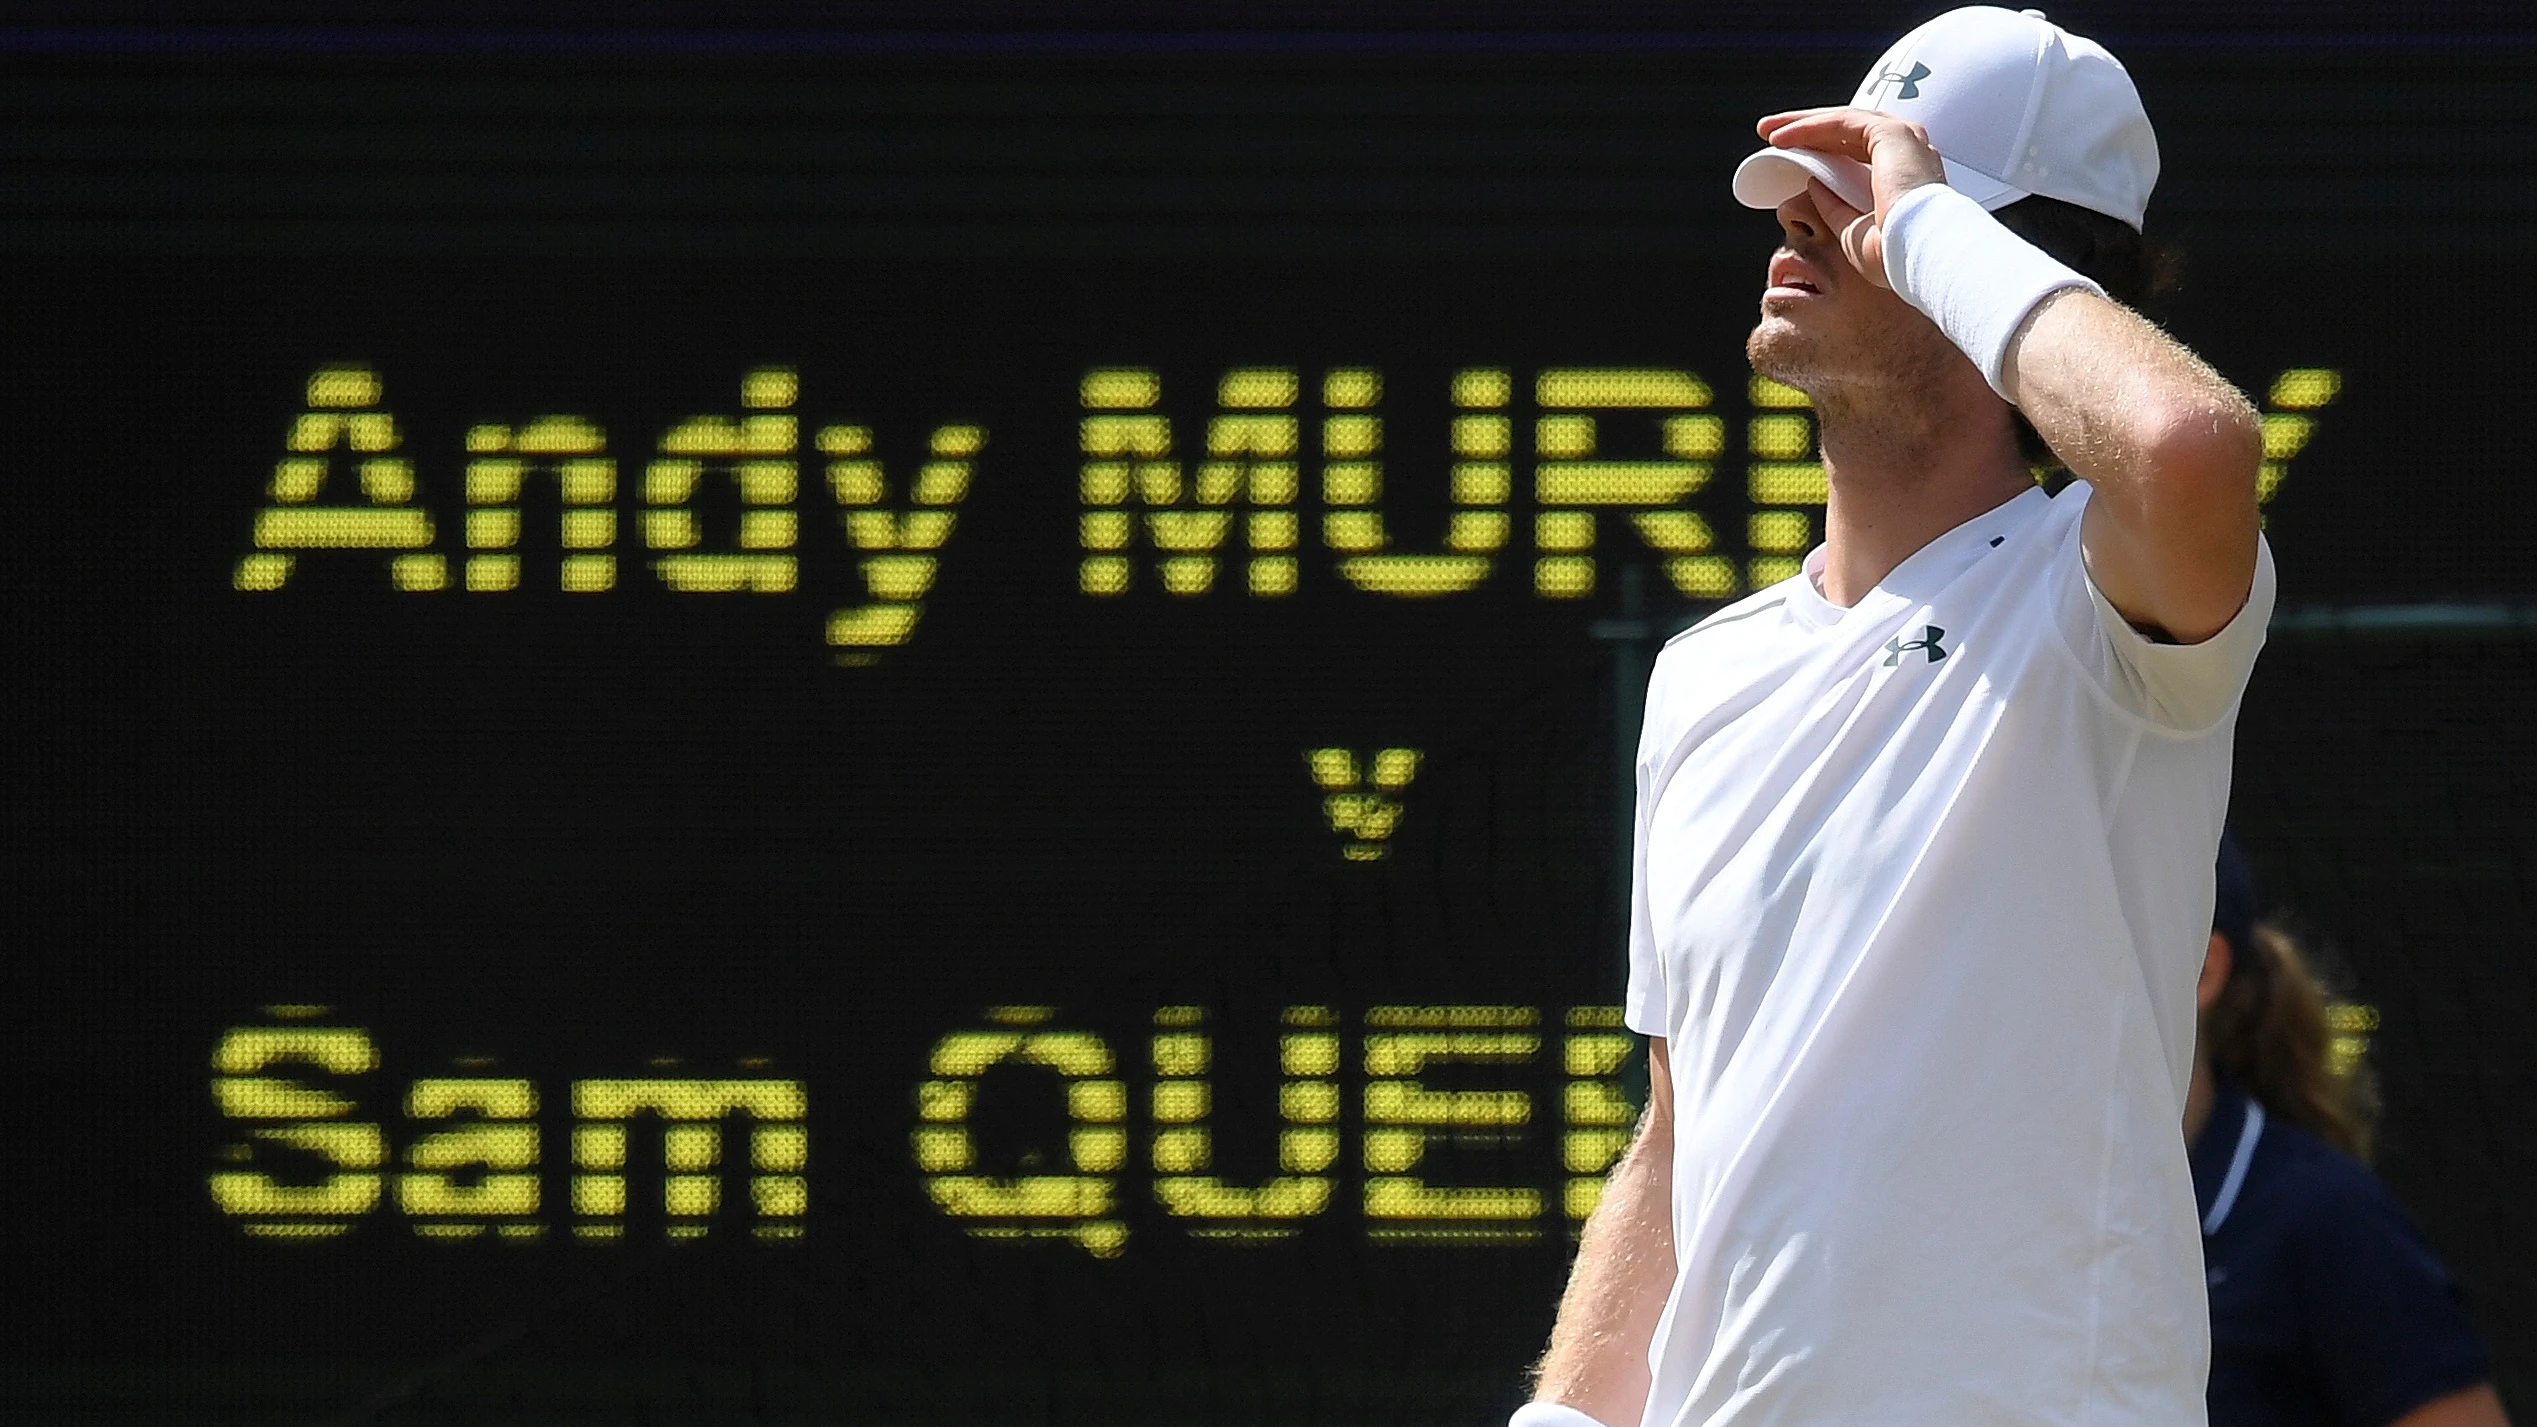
(1824,325)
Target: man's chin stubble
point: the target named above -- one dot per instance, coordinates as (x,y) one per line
(1779,351)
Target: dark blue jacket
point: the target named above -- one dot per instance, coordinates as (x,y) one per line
(2327,1308)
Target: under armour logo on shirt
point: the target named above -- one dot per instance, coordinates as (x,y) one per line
(1898,646)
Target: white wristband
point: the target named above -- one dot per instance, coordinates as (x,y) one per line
(1550,1414)
(1964,270)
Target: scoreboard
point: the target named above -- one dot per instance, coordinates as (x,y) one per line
(1024,830)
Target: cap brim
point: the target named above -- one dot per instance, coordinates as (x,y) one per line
(1773,176)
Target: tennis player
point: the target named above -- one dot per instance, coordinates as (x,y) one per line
(1925,832)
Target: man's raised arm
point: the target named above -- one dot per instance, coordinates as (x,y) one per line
(2170,448)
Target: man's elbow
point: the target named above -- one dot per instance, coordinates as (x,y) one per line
(2201,456)
(2180,548)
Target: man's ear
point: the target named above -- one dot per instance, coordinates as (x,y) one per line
(2216,961)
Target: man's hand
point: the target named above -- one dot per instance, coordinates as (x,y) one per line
(1898,157)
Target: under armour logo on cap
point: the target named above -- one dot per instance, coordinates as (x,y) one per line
(1910,82)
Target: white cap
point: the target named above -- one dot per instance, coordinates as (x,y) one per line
(2015,106)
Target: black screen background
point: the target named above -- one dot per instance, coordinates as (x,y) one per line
(575,834)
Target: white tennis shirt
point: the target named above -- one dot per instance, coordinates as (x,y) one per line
(1922,891)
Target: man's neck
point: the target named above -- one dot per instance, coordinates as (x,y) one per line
(1903,473)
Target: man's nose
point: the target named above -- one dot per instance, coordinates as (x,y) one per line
(1801,221)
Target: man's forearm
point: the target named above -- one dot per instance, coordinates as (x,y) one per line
(1597,1360)
(2169,446)
(2115,397)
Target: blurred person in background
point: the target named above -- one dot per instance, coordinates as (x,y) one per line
(2327,1307)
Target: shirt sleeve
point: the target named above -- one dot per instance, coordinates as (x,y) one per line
(2186,687)
(2386,1331)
